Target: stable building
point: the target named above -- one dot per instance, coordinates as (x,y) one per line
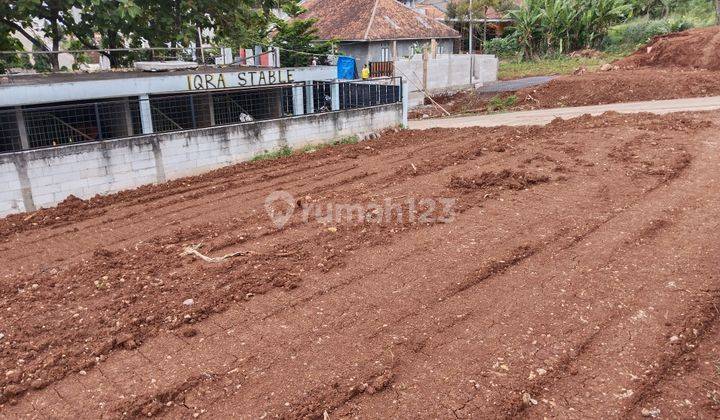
(55,109)
(67,134)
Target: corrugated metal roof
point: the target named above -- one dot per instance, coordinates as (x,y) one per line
(371,20)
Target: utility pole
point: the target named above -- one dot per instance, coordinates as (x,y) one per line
(470,42)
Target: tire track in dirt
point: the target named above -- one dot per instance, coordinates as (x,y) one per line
(646,236)
(395,322)
(318,275)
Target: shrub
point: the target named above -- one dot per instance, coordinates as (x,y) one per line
(284,151)
(501,103)
(502,47)
(638,32)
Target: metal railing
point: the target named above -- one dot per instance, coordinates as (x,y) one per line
(23,62)
(40,126)
(382,68)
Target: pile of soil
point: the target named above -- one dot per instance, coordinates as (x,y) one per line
(462,102)
(631,85)
(695,49)
(505,179)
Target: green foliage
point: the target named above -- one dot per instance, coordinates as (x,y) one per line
(284,151)
(502,47)
(561,26)
(346,140)
(501,103)
(117,24)
(8,43)
(631,35)
(659,18)
(299,43)
(657,9)
(312,148)
(561,64)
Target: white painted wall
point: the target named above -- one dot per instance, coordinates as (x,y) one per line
(104,86)
(446,73)
(44,177)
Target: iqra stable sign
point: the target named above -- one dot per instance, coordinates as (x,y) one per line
(240,79)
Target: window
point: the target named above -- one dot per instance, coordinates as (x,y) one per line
(385,54)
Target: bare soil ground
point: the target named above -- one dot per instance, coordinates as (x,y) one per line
(591,88)
(579,278)
(692,49)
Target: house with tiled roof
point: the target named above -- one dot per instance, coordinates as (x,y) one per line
(378,30)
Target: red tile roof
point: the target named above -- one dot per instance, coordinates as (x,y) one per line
(372,20)
(432,12)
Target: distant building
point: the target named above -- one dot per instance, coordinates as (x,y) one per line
(379,30)
(437,9)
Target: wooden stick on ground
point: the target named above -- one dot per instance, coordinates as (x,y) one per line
(193,250)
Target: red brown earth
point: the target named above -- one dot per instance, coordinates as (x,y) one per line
(591,88)
(632,85)
(692,49)
(579,278)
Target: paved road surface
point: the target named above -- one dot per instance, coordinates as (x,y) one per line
(516,84)
(544,116)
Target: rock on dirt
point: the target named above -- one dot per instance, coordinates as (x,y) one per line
(646,412)
(528,400)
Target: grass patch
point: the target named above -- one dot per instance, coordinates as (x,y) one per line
(501,103)
(275,154)
(286,151)
(346,140)
(514,69)
(312,148)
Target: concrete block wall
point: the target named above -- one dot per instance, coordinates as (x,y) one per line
(446,73)
(44,177)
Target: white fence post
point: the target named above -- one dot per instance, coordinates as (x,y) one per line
(335,95)
(298,100)
(405,102)
(309,97)
(146,114)
(22,129)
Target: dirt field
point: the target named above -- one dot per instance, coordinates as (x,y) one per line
(592,88)
(693,49)
(579,278)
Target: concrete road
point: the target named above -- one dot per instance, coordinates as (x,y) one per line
(544,116)
(515,84)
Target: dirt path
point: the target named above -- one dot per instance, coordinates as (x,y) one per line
(578,275)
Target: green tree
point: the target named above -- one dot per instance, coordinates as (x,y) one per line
(560,26)
(49,15)
(9,43)
(460,11)
(298,43)
(107,24)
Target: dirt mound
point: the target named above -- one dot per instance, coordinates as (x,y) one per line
(505,179)
(697,49)
(629,85)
